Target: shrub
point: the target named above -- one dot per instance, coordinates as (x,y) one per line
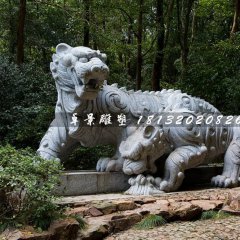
(27,99)
(213,74)
(26,184)
(84,158)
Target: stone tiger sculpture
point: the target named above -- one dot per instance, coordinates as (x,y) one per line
(187,146)
(80,75)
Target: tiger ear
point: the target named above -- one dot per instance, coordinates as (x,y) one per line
(62,48)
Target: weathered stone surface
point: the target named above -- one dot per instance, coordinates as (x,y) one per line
(65,229)
(11,234)
(155,208)
(106,207)
(97,228)
(84,211)
(125,205)
(94,233)
(184,211)
(77,211)
(229,210)
(172,206)
(207,205)
(94,212)
(125,222)
(233,200)
(227,228)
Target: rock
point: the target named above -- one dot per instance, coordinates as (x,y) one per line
(233,200)
(229,210)
(140,202)
(162,202)
(184,211)
(11,234)
(125,205)
(160,207)
(106,208)
(97,234)
(94,212)
(149,200)
(77,211)
(204,197)
(64,229)
(126,222)
(207,205)
(97,229)
(117,217)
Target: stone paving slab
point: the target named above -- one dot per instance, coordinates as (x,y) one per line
(222,229)
(106,214)
(193,195)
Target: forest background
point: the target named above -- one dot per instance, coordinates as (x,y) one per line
(192,45)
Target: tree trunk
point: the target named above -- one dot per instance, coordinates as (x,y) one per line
(158,62)
(139,46)
(168,21)
(20,32)
(235,26)
(86,28)
(129,42)
(183,29)
(193,22)
(12,37)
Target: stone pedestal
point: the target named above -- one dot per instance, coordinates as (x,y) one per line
(75,183)
(91,182)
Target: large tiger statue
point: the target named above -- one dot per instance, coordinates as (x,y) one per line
(83,93)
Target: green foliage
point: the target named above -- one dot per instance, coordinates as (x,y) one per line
(214,215)
(26,185)
(213,74)
(86,158)
(151,221)
(27,97)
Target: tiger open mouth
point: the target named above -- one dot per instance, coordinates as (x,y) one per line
(92,84)
(89,83)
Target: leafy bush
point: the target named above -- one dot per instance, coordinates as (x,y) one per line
(27,99)
(213,74)
(26,184)
(84,158)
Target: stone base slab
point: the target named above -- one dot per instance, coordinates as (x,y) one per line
(74,183)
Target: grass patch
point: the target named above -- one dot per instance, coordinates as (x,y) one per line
(151,221)
(82,223)
(214,215)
